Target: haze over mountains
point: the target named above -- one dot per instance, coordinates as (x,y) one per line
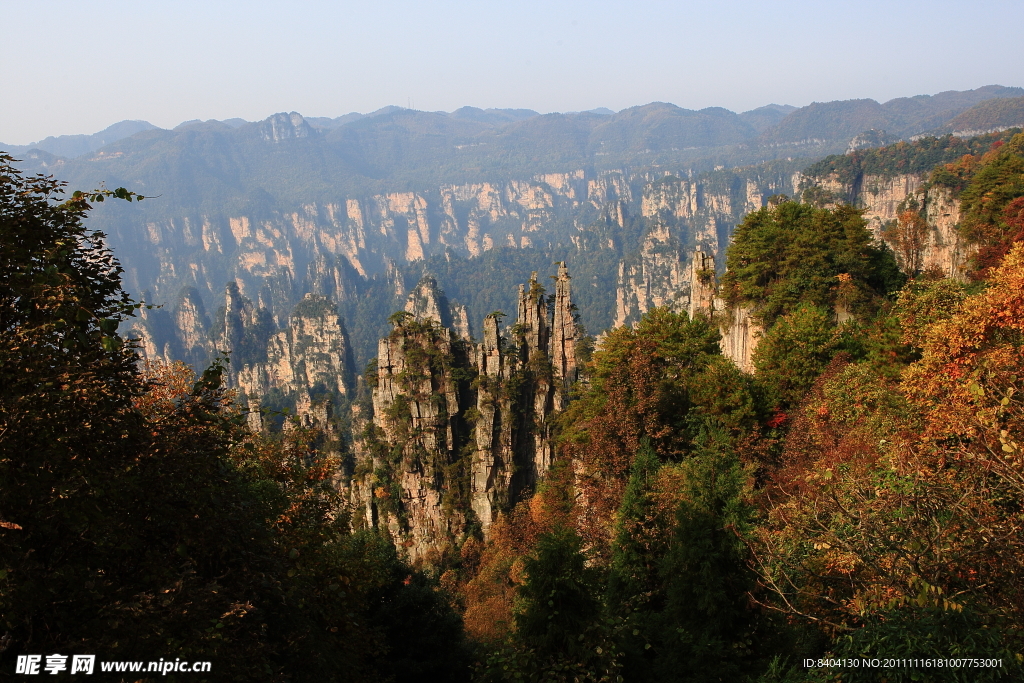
(357,208)
(477,342)
(661,123)
(72,146)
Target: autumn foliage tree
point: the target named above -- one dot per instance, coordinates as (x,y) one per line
(898,502)
(990,210)
(908,235)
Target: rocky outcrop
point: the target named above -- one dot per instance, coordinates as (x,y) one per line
(655,276)
(309,356)
(192,325)
(532,334)
(884,197)
(337,249)
(460,322)
(427,301)
(564,333)
(285,127)
(145,330)
(871,138)
(703,285)
(409,454)
(739,331)
(242,320)
(685,215)
(494,455)
(182,333)
(412,473)
(522,383)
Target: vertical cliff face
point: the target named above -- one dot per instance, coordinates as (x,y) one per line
(416,438)
(533,327)
(460,322)
(145,330)
(684,216)
(314,346)
(495,442)
(326,247)
(184,332)
(944,250)
(193,324)
(246,331)
(336,248)
(884,198)
(241,319)
(740,334)
(437,454)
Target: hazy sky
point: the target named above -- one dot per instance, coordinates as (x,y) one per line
(76,67)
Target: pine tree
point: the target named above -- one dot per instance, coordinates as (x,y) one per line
(557,600)
(704,632)
(633,594)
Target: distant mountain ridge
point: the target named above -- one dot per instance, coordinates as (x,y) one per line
(902,117)
(71,146)
(642,129)
(359,207)
(989,116)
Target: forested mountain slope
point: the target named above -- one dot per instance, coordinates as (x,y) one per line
(537,504)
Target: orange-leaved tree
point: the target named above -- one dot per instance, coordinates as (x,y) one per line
(906,496)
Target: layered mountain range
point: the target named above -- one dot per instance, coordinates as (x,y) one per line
(366,263)
(650,129)
(263,222)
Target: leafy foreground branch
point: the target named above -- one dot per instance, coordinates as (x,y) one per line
(140,519)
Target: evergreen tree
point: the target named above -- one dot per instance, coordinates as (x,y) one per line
(559,634)
(793,353)
(631,568)
(121,533)
(789,255)
(705,631)
(633,593)
(557,600)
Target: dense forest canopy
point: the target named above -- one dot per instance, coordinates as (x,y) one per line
(860,494)
(141,519)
